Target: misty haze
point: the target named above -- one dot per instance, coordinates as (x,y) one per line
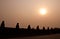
(34,19)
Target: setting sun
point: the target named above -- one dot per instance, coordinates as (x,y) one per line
(42,11)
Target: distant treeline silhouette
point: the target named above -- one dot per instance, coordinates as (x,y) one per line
(22,32)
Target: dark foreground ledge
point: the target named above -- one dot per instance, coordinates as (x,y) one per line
(13,32)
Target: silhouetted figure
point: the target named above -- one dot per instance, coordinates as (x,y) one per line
(48,28)
(43,28)
(2,24)
(29,27)
(48,31)
(37,27)
(17,26)
(51,28)
(3,27)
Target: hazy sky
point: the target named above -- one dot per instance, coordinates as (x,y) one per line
(26,12)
